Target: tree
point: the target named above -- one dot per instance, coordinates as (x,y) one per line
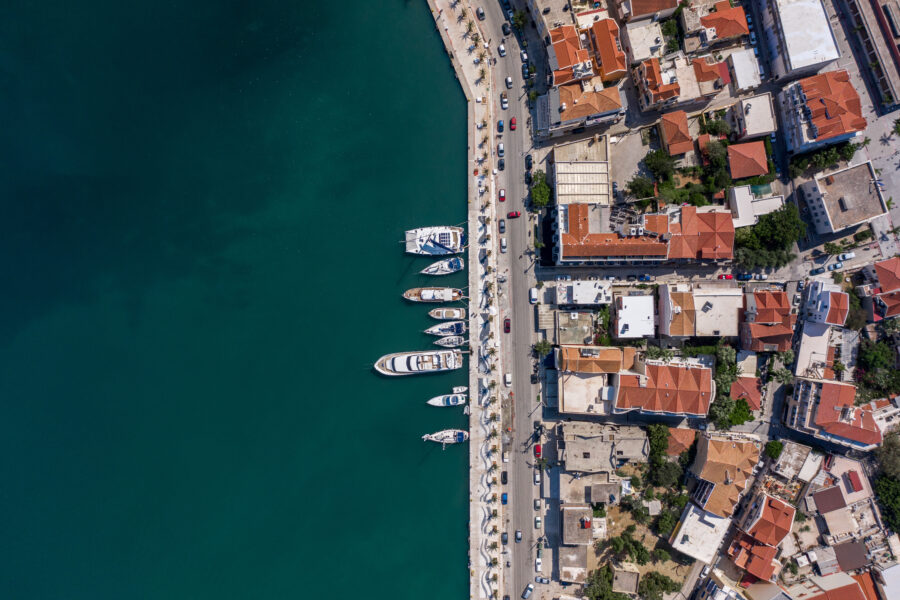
(741,412)
(658,434)
(888,455)
(786,357)
(641,187)
(783,376)
(666,523)
(518,20)
(540,189)
(666,474)
(660,555)
(653,585)
(639,553)
(887,489)
(660,164)
(599,585)
(832,248)
(543,347)
(773,449)
(720,412)
(875,355)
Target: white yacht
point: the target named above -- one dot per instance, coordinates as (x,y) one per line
(444,267)
(450,341)
(448,400)
(447,313)
(433,294)
(435,241)
(414,363)
(447,436)
(448,328)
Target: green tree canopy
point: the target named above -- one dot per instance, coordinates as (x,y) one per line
(773,449)
(540,189)
(653,585)
(641,187)
(660,164)
(875,355)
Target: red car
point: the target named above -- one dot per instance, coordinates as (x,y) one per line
(537,450)
(502,195)
(512,124)
(506,325)
(726,276)
(513,214)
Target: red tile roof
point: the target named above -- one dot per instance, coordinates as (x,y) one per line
(676,134)
(773,326)
(707,235)
(728,21)
(838,307)
(888,273)
(680,439)
(851,591)
(774,522)
(748,388)
(640,8)
(659,91)
(762,561)
(605,37)
(567,46)
(865,581)
(834,103)
(580,242)
(711,71)
(747,160)
(771,306)
(891,303)
(582,101)
(837,415)
(673,389)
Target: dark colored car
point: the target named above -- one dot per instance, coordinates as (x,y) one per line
(500,125)
(501,225)
(513,214)
(744,277)
(528,161)
(501,164)
(504,498)
(525,73)
(645,278)
(504,537)
(506,325)
(480,13)
(578,130)
(505,28)
(528,177)
(503,477)
(817,271)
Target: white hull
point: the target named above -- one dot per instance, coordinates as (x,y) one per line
(451,341)
(433,294)
(444,267)
(447,436)
(448,328)
(460,389)
(435,241)
(448,400)
(447,313)
(416,363)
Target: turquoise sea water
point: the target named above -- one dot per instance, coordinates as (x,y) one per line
(201,208)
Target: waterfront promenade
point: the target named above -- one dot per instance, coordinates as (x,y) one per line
(471,59)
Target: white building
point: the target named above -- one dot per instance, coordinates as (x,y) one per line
(745,71)
(701,310)
(635,316)
(844,199)
(826,303)
(799,37)
(583,293)
(746,209)
(754,117)
(699,533)
(643,40)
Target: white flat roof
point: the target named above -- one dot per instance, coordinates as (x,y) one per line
(746,69)
(813,347)
(759,116)
(641,37)
(716,310)
(635,317)
(808,36)
(699,533)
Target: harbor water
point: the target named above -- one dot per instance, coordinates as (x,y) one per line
(202,209)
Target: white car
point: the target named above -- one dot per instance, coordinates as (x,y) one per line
(503,245)
(761,277)
(500,149)
(847,256)
(524,57)
(538,564)
(532,295)
(537,522)
(537,477)
(501,50)
(508,80)
(504,103)
(507,380)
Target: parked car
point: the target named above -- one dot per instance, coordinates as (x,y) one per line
(512,124)
(501,164)
(537,522)
(847,256)
(761,277)
(503,245)
(537,564)
(507,380)
(528,162)
(753,38)
(513,214)
(509,83)
(537,504)
(504,538)
(532,296)
(527,593)
(518,535)
(631,278)
(502,195)
(500,125)
(817,271)
(796,298)
(537,477)
(773,138)
(645,278)
(501,225)
(504,498)
(504,104)
(501,50)
(835,266)
(504,477)
(528,177)
(500,149)
(541,580)
(525,73)
(615,189)
(524,57)
(506,325)
(537,450)
(506,29)
(800,285)
(726,276)
(480,13)
(744,277)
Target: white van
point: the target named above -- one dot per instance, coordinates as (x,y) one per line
(847,256)
(532,295)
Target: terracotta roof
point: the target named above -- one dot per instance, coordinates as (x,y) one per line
(838,307)
(567,46)
(580,242)
(762,561)
(684,321)
(582,101)
(727,20)
(837,415)
(659,91)
(763,338)
(656,222)
(640,8)
(708,235)
(605,360)
(680,439)
(605,37)
(888,273)
(675,132)
(747,388)
(891,303)
(774,522)
(867,584)
(747,160)
(834,103)
(851,591)
(707,71)
(673,389)
(771,306)
(727,464)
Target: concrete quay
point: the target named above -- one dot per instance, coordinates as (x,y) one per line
(485,510)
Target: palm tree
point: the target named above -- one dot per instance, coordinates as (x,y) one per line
(482,73)
(481,54)
(494,545)
(470,26)
(476,38)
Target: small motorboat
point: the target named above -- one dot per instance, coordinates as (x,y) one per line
(451,341)
(448,400)
(447,313)
(448,328)
(447,436)
(433,294)
(460,389)
(444,267)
